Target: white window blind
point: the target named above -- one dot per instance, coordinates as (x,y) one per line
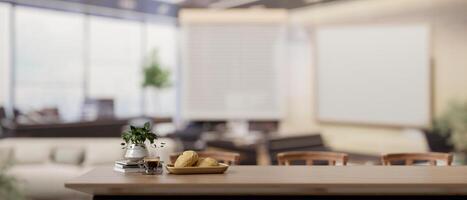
(231,70)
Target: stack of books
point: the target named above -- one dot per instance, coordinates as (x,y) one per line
(127,166)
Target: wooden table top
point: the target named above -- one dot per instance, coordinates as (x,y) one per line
(281,180)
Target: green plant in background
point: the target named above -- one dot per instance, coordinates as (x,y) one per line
(139,135)
(154,74)
(453,121)
(8,185)
(154,77)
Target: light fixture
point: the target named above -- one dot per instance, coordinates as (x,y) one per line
(311,1)
(127,4)
(230,3)
(163,9)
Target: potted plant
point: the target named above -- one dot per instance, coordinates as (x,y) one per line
(8,185)
(453,124)
(155,77)
(135,139)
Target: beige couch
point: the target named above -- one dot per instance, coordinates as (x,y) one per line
(43,165)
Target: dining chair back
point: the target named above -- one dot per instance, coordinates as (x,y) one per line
(332,158)
(410,158)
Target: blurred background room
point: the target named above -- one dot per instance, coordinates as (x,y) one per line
(256,77)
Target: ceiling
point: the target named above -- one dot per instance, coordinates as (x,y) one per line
(142,9)
(225,4)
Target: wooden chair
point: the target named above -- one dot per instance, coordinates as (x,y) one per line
(285,158)
(221,156)
(409,158)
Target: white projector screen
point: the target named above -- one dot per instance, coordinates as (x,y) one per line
(373,74)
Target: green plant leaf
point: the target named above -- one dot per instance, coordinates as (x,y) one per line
(154,75)
(139,135)
(453,122)
(9,184)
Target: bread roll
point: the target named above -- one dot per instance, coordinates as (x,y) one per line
(207,162)
(186,159)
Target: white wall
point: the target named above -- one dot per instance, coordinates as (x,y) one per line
(449,21)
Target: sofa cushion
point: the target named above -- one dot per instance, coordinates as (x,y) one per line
(46,181)
(68,155)
(99,153)
(31,153)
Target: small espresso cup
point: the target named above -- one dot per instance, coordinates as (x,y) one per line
(152,166)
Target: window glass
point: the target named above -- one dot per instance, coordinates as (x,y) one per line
(49,60)
(163,39)
(115,64)
(4,49)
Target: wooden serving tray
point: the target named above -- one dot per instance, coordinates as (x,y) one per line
(197,170)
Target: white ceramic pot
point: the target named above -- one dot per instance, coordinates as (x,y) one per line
(136,152)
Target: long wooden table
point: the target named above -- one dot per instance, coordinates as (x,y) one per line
(104,183)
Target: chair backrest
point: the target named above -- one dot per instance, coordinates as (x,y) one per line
(104,108)
(2,113)
(229,158)
(409,158)
(286,158)
(308,142)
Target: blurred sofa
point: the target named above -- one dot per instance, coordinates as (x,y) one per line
(43,165)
